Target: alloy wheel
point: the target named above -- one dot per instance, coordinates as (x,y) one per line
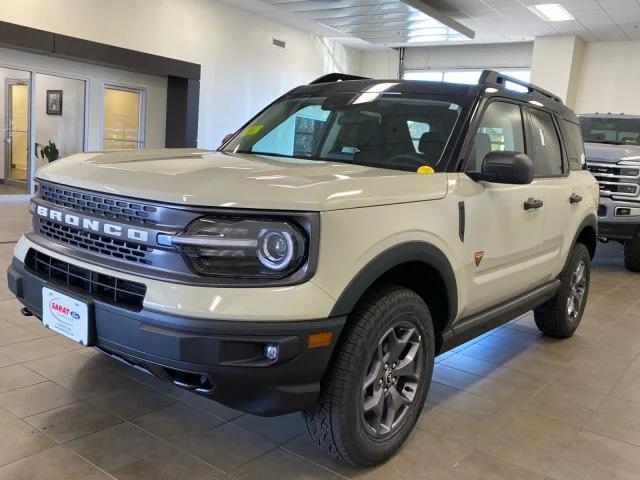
(393,376)
(577,289)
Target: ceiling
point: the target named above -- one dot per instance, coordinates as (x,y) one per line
(379,23)
(510,20)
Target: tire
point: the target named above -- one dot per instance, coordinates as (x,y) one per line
(558,317)
(340,424)
(632,254)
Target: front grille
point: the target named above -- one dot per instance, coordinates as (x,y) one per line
(116,291)
(99,205)
(616,180)
(111,247)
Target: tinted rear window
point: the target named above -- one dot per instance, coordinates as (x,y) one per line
(574,145)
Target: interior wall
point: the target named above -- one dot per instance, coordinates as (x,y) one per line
(609,78)
(95,78)
(553,65)
(241,70)
(383,64)
(66,130)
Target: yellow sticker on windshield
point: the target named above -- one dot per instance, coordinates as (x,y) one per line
(424,169)
(251,130)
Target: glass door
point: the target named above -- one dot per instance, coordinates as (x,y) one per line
(14,157)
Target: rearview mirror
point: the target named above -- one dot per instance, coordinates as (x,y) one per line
(505,167)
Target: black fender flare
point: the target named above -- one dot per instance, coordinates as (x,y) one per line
(417,251)
(588,221)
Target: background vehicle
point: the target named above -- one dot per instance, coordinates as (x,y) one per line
(613,157)
(324,256)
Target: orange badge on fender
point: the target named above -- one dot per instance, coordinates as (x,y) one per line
(478,257)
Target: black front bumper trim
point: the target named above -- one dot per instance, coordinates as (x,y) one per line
(617,231)
(220,359)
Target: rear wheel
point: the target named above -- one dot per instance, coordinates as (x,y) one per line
(379,379)
(561,315)
(632,254)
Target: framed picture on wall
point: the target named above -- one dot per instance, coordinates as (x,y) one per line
(54,102)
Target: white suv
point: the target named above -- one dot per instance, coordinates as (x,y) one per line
(326,253)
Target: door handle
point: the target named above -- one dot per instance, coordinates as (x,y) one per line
(575,198)
(533,203)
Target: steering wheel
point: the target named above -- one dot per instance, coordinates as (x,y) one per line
(407,160)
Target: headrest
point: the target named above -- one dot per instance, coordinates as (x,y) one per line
(427,141)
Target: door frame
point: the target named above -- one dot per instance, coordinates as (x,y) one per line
(10,82)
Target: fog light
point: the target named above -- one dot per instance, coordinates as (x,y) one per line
(271,351)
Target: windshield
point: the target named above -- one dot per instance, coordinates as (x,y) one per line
(615,131)
(387,131)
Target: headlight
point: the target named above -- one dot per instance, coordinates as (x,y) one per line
(243,248)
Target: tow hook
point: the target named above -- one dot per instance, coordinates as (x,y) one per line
(26,312)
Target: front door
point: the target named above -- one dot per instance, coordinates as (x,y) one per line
(503,237)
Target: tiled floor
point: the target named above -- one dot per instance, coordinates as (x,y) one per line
(511,405)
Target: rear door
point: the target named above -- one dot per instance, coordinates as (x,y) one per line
(552,176)
(503,240)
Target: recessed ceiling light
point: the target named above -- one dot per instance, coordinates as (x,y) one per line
(551,12)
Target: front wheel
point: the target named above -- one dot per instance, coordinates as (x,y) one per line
(560,316)
(632,254)
(379,379)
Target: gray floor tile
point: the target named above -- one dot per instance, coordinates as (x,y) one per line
(73,421)
(35,399)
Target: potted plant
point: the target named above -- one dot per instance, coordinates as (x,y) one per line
(47,152)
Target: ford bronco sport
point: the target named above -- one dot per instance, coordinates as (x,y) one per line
(613,157)
(326,253)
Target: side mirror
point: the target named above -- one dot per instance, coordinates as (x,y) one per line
(505,167)
(227,138)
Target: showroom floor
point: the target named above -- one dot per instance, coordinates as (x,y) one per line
(511,405)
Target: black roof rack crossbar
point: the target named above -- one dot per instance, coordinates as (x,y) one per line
(337,77)
(491,77)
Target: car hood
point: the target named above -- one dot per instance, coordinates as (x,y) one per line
(217,179)
(601,152)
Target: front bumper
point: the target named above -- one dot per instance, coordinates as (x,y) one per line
(221,359)
(612,225)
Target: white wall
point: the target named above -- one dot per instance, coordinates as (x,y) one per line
(554,65)
(66,130)
(241,70)
(609,78)
(383,64)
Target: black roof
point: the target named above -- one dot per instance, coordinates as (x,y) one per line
(342,83)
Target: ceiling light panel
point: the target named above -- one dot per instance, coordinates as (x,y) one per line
(551,12)
(380,22)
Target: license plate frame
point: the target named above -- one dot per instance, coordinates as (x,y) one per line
(68,315)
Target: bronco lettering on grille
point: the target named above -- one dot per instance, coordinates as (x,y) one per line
(93,224)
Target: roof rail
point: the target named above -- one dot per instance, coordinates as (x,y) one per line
(337,77)
(491,77)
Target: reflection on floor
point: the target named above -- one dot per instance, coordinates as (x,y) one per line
(12,189)
(509,405)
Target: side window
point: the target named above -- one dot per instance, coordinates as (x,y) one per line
(416,130)
(575,145)
(298,135)
(546,153)
(500,129)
